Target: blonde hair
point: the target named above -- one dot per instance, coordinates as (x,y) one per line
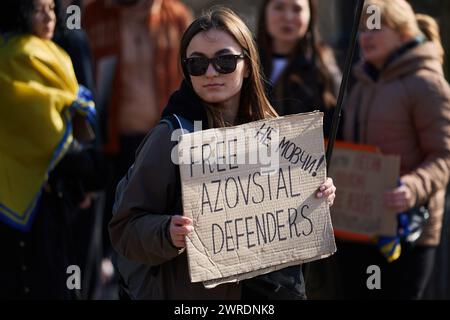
(399,16)
(430,30)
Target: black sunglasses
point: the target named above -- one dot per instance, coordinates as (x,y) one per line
(197,66)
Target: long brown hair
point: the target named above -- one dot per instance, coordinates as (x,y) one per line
(310,46)
(254,104)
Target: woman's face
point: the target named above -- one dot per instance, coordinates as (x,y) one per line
(213,86)
(287,20)
(43,19)
(378,45)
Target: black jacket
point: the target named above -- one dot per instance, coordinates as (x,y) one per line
(299,89)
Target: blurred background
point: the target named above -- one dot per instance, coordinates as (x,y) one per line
(335,18)
(112,56)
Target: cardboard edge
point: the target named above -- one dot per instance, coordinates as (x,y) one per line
(248,275)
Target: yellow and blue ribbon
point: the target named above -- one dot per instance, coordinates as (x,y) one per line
(391,247)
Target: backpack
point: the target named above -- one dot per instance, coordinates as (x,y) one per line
(174,122)
(178,122)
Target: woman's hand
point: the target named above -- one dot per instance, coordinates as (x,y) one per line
(400,199)
(327,190)
(179,227)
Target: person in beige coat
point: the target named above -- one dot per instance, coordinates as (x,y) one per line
(401,104)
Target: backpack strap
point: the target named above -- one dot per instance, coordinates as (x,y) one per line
(178,122)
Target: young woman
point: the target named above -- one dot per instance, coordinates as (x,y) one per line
(302,71)
(45,171)
(303,76)
(401,104)
(222,87)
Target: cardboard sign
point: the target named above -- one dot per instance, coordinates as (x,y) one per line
(361,176)
(250,191)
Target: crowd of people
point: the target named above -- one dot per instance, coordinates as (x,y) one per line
(86,176)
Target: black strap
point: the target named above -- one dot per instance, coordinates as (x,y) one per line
(343,88)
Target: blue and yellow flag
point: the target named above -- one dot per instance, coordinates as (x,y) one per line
(38,93)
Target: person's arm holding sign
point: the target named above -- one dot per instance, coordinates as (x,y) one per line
(327,190)
(180,226)
(431,118)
